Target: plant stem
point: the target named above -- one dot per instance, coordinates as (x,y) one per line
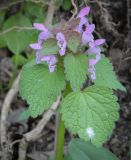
(60,139)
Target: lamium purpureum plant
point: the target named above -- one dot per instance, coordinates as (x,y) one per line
(69,62)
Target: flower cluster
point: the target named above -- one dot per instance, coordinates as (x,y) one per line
(43,36)
(85,30)
(88,39)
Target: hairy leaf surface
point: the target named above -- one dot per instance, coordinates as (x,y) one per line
(76,70)
(105,76)
(91,113)
(40,87)
(73,41)
(49,47)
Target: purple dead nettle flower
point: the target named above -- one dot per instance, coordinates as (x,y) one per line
(87,34)
(50,59)
(88,39)
(44,35)
(83,20)
(94,49)
(61,42)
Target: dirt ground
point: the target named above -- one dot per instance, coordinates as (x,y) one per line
(113,22)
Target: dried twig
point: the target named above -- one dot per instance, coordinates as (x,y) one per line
(4,113)
(50,13)
(5,109)
(75,10)
(39,2)
(36,132)
(15,27)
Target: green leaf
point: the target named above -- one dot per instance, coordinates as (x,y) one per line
(66,5)
(2,16)
(16,39)
(49,47)
(91,113)
(76,69)
(80,149)
(19,59)
(33,9)
(1,87)
(51,158)
(40,87)
(73,41)
(105,76)
(2,41)
(68,157)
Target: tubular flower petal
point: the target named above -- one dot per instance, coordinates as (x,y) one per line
(79,28)
(51,63)
(99,42)
(83,12)
(49,59)
(35,46)
(61,42)
(91,70)
(40,26)
(90,28)
(52,68)
(38,57)
(86,38)
(94,49)
(87,34)
(92,62)
(83,20)
(44,36)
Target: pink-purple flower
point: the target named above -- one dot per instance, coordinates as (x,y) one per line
(61,42)
(85,30)
(83,12)
(45,34)
(51,60)
(87,34)
(35,46)
(83,20)
(94,49)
